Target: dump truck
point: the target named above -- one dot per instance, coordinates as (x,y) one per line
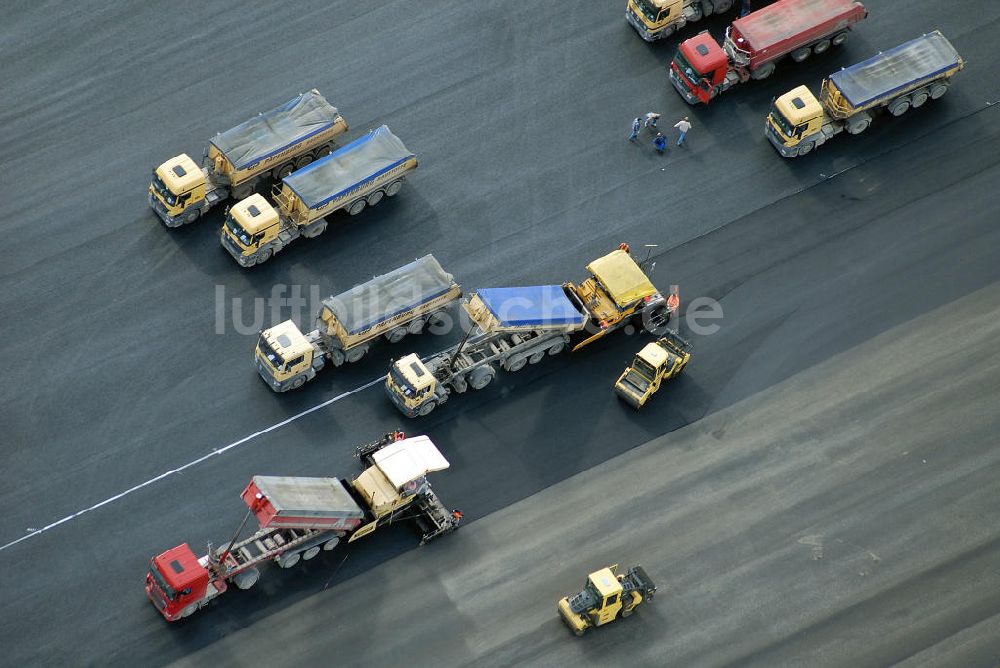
(401,302)
(514,327)
(238,161)
(605,597)
(896,80)
(351,178)
(657,362)
(299,517)
(701,69)
(658,19)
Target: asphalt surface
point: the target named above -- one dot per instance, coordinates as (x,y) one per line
(114,372)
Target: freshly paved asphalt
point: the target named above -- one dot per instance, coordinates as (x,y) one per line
(114,372)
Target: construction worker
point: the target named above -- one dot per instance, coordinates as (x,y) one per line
(682,126)
(660,143)
(650,120)
(636,123)
(673,300)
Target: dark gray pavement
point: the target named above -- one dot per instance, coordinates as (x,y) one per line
(113,373)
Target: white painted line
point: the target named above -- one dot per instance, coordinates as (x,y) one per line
(213,453)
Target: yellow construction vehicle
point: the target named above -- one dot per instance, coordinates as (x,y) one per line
(606,597)
(656,362)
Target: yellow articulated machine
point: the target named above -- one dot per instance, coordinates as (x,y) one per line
(655,363)
(606,597)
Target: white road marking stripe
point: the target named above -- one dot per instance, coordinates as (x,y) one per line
(213,453)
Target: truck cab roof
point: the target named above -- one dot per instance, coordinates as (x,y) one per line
(179,567)
(286,340)
(703,53)
(254,213)
(180,173)
(414,371)
(624,280)
(798,105)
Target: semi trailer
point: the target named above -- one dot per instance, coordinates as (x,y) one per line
(403,301)
(299,517)
(702,69)
(514,327)
(238,161)
(351,178)
(897,80)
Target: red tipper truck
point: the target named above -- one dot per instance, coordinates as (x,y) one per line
(299,517)
(702,69)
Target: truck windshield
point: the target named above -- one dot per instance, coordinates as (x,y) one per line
(167,590)
(162,190)
(400,382)
(269,353)
(237,230)
(686,70)
(779,120)
(647,9)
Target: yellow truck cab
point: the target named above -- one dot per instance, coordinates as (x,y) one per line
(657,19)
(411,382)
(176,184)
(250,223)
(283,355)
(794,115)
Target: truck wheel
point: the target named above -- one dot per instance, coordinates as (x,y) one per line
(723,6)
(396,335)
(188,611)
(821,46)
(858,124)
(330,544)
(192,216)
(393,188)
(297,382)
(579,632)
(427,408)
(899,106)
(246,579)
(283,171)
(302,161)
(536,357)
(481,377)
(289,560)
(356,207)
(375,198)
(311,552)
(516,364)
(805,147)
(315,229)
(938,90)
(839,38)
(355,354)
(762,72)
(556,348)
(918,98)
(263,255)
(798,55)
(416,326)
(707,7)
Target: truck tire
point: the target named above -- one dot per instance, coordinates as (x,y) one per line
(762,72)
(919,97)
(375,197)
(579,632)
(246,579)
(707,7)
(282,171)
(310,553)
(839,38)
(516,364)
(482,376)
(821,46)
(938,90)
(314,229)
(189,610)
(262,256)
(192,216)
(330,544)
(393,188)
(723,6)
(355,354)
(289,560)
(536,357)
(427,408)
(396,335)
(900,105)
(805,148)
(296,383)
(556,348)
(798,55)
(303,160)
(357,206)
(858,123)
(416,326)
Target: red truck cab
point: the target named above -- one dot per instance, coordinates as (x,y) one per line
(699,65)
(175,581)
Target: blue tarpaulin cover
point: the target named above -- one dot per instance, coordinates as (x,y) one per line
(916,60)
(532,306)
(362,159)
(275,130)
